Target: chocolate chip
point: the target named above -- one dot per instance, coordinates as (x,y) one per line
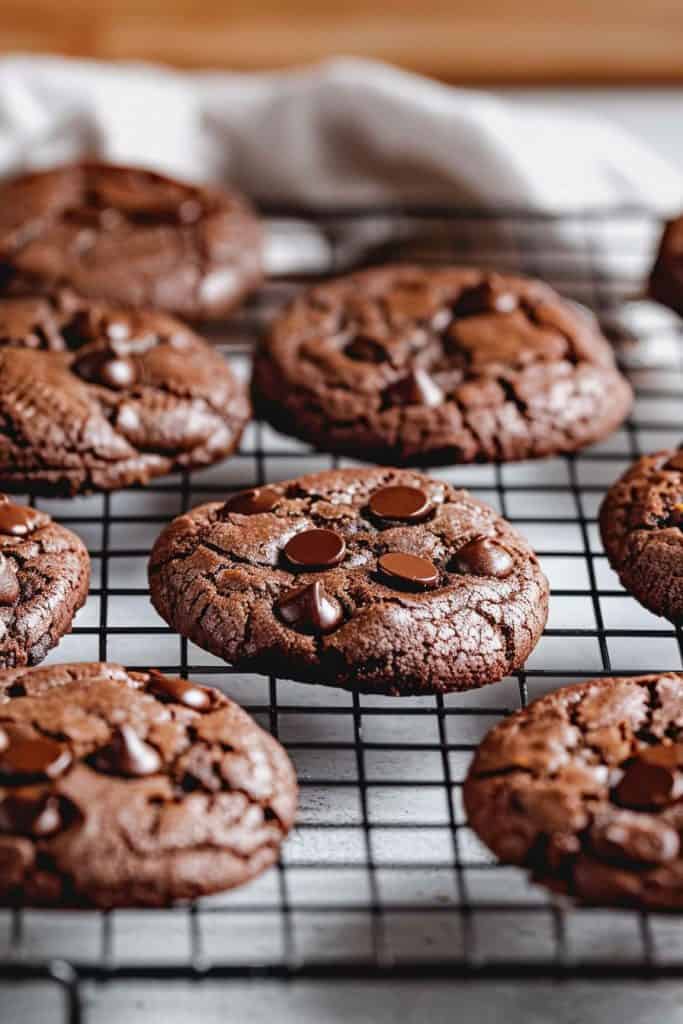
(18,520)
(483,557)
(315,549)
(675,462)
(652,779)
(4,740)
(403,570)
(366,350)
(128,754)
(28,758)
(485,298)
(310,609)
(9,584)
(118,373)
(416,388)
(405,504)
(253,502)
(637,838)
(180,691)
(30,811)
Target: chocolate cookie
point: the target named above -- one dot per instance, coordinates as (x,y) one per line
(641,522)
(584,788)
(44,577)
(94,397)
(406,364)
(375,580)
(666,279)
(129,236)
(123,789)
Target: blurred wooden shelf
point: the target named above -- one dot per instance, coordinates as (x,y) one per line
(572,41)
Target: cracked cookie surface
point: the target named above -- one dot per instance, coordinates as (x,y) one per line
(44,577)
(377,580)
(129,236)
(641,523)
(584,789)
(123,788)
(405,364)
(95,397)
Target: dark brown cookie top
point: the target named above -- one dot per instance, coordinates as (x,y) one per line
(584,788)
(377,580)
(666,279)
(129,236)
(44,577)
(95,397)
(641,522)
(405,363)
(123,788)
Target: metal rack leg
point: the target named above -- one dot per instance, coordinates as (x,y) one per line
(65,976)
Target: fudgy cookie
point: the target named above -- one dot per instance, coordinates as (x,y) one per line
(641,522)
(126,789)
(95,397)
(44,577)
(375,580)
(666,279)
(129,236)
(407,364)
(584,788)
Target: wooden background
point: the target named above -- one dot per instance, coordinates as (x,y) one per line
(463,40)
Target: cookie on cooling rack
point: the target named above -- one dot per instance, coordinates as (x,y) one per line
(122,789)
(641,523)
(44,577)
(129,236)
(666,279)
(376,580)
(407,364)
(96,397)
(584,789)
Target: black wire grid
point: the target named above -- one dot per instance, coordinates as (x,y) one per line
(382,877)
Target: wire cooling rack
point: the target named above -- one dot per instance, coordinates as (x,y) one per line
(382,877)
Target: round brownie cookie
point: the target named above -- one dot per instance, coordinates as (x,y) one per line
(44,577)
(126,789)
(130,236)
(380,581)
(406,364)
(641,522)
(584,789)
(666,279)
(94,397)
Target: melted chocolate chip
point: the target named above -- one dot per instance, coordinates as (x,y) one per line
(675,462)
(30,811)
(128,754)
(310,609)
(366,350)
(315,549)
(416,388)
(18,520)
(403,570)
(652,779)
(253,502)
(28,758)
(9,584)
(180,691)
(484,557)
(404,504)
(485,298)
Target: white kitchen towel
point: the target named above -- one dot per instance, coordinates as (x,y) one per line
(346,132)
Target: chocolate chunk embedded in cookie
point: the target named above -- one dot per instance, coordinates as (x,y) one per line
(666,279)
(44,577)
(376,580)
(641,522)
(408,364)
(129,236)
(123,789)
(96,397)
(583,788)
